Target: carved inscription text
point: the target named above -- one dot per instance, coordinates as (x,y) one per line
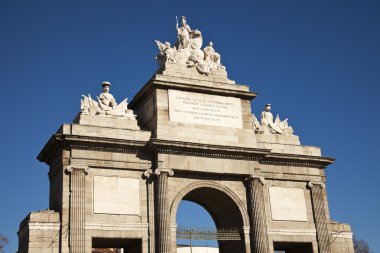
(196,108)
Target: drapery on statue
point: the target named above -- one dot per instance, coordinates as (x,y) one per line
(268,126)
(106,105)
(187,50)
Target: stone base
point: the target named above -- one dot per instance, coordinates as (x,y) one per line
(106,121)
(183,71)
(39,232)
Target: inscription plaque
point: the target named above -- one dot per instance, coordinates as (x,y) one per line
(195,108)
(287,204)
(114,195)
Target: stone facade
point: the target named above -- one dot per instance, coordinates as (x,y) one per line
(116,182)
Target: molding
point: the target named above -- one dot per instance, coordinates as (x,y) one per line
(294,232)
(206,150)
(336,235)
(116,226)
(45,226)
(59,142)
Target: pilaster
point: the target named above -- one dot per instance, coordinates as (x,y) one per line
(320,217)
(256,211)
(163,210)
(77,236)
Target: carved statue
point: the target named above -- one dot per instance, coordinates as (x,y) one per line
(187,51)
(183,34)
(166,52)
(268,126)
(210,54)
(106,105)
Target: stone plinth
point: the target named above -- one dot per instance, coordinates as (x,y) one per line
(106,121)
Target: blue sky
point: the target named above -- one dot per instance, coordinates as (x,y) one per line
(316,62)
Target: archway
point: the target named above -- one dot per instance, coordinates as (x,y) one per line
(226,209)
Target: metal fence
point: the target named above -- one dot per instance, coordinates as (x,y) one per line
(220,234)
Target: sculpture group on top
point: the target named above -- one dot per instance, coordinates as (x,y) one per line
(106,105)
(187,51)
(270,126)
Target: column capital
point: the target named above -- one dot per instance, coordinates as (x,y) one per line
(158,172)
(313,183)
(70,168)
(253,177)
(148,173)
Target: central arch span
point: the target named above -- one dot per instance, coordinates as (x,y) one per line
(225,207)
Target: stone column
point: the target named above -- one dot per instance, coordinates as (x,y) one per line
(256,212)
(163,211)
(320,216)
(150,188)
(77,209)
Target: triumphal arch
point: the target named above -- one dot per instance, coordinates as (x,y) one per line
(119,171)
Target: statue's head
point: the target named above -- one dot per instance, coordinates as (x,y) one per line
(210,44)
(167,44)
(183,19)
(106,86)
(267,107)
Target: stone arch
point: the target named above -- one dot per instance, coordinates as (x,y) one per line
(224,206)
(209,184)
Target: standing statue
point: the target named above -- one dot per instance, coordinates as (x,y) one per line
(106,105)
(183,34)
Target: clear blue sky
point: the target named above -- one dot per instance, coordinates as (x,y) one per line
(317,62)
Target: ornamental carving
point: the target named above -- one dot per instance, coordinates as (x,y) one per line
(188,51)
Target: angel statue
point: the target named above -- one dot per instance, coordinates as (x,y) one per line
(167,53)
(106,105)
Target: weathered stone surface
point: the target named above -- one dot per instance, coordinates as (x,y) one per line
(121,180)
(287,204)
(114,195)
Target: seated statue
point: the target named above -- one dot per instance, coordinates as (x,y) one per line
(270,126)
(106,105)
(210,54)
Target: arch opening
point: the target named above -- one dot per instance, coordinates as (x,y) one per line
(225,217)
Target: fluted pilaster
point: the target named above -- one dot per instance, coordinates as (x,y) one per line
(256,206)
(320,216)
(163,211)
(77,209)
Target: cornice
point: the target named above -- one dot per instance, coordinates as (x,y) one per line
(166,84)
(59,142)
(206,150)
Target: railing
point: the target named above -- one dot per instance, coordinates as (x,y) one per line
(220,234)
